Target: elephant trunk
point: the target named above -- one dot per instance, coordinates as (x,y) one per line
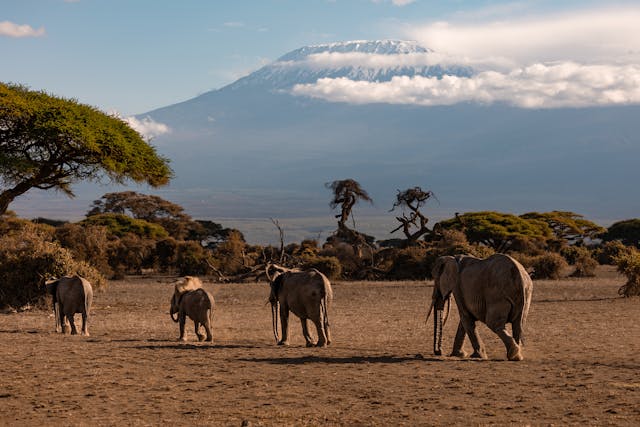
(437,332)
(275,311)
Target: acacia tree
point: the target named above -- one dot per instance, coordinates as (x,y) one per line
(346,193)
(567,226)
(47,142)
(413,199)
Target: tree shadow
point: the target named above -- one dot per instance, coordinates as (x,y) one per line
(340,360)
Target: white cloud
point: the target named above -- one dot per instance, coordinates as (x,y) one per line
(147,127)
(587,35)
(9,29)
(566,84)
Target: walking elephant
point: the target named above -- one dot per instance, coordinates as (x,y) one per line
(307,294)
(71,295)
(496,291)
(190,299)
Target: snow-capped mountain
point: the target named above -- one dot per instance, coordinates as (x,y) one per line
(357,60)
(253,149)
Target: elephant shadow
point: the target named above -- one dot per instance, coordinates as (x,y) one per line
(328,360)
(191,346)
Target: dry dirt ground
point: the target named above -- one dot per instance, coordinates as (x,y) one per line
(581,365)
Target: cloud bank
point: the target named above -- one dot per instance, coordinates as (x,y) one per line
(147,127)
(10,29)
(537,86)
(583,59)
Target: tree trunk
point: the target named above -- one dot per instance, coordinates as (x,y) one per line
(7,196)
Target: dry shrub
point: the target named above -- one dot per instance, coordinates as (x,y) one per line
(608,252)
(585,264)
(327,265)
(87,243)
(130,254)
(229,255)
(409,264)
(350,262)
(548,266)
(26,258)
(629,265)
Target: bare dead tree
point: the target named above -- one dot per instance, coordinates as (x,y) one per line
(412,199)
(281,233)
(346,193)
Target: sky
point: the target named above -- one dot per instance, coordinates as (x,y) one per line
(132,56)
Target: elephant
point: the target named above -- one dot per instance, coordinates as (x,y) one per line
(496,291)
(71,295)
(308,295)
(190,299)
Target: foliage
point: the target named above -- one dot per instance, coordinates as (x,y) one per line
(328,265)
(629,265)
(47,142)
(229,255)
(27,258)
(627,231)
(568,227)
(120,225)
(585,264)
(191,259)
(609,251)
(497,230)
(150,208)
(548,266)
(87,243)
(131,254)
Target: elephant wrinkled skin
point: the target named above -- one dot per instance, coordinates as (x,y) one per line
(190,299)
(496,291)
(71,295)
(308,295)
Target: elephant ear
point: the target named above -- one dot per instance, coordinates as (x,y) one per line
(51,286)
(445,272)
(276,284)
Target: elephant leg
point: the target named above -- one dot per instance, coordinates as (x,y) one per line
(62,319)
(207,329)
(284,324)
(196,326)
(458,341)
(322,336)
(476,342)
(513,349)
(182,320)
(72,323)
(496,321)
(85,324)
(305,332)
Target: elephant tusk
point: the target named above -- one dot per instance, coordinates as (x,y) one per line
(433,302)
(176,318)
(448,311)
(274,320)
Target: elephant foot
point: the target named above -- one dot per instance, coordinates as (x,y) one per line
(321,344)
(283,343)
(85,333)
(200,337)
(74,332)
(183,339)
(458,353)
(515,354)
(209,338)
(437,352)
(478,355)
(309,344)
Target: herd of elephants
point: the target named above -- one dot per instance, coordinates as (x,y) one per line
(496,291)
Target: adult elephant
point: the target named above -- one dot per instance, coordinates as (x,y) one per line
(307,294)
(71,295)
(496,291)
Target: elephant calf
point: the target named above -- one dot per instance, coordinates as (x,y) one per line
(190,299)
(71,295)
(307,294)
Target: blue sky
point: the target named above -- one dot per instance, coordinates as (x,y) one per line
(135,55)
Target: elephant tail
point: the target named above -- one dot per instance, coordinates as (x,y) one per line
(325,312)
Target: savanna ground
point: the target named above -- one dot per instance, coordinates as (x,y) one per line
(581,362)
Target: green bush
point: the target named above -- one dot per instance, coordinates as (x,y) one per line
(629,265)
(120,225)
(608,252)
(191,259)
(26,259)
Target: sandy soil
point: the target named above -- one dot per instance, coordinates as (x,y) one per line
(582,362)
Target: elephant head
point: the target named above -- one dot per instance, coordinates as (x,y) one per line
(445,274)
(182,285)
